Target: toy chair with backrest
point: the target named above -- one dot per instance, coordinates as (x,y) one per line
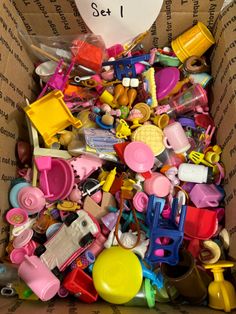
(166,236)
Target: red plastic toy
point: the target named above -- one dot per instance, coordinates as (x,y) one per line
(81,285)
(206,225)
(87,55)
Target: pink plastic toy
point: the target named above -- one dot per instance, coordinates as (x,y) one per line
(59,79)
(23,245)
(59,179)
(139,157)
(17,216)
(158,184)
(31,199)
(205,195)
(39,278)
(84,166)
(43,164)
(176,138)
(98,245)
(140,202)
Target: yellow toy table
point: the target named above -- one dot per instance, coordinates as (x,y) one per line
(50,115)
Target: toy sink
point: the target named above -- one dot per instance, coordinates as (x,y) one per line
(50,115)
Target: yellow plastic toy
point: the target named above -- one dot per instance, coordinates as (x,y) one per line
(107,98)
(150,135)
(123,130)
(149,75)
(222,295)
(128,184)
(117,275)
(50,116)
(161,120)
(194,42)
(68,206)
(109,180)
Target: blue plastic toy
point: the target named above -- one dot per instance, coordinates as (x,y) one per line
(156,279)
(168,230)
(151,208)
(125,67)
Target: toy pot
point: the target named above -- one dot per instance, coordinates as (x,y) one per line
(186,278)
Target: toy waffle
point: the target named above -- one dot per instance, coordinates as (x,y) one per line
(150,135)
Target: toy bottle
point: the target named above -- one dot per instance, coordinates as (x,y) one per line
(109,180)
(195,173)
(222,295)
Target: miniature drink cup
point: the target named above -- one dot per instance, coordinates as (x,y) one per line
(194,42)
(176,138)
(186,278)
(190,100)
(39,278)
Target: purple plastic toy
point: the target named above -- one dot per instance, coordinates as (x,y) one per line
(166,79)
(59,79)
(205,195)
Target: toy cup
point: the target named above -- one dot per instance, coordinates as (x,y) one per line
(186,278)
(45,70)
(194,42)
(161,120)
(39,278)
(205,195)
(176,138)
(158,184)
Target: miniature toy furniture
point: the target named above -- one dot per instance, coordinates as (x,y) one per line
(167,235)
(50,116)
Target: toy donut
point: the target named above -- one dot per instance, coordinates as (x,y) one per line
(195,65)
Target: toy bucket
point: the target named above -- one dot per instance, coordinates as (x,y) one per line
(194,42)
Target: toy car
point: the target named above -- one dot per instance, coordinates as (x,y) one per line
(77,233)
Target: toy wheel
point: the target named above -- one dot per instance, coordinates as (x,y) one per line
(39,250)
(70,218)
(57,273)
(86,240)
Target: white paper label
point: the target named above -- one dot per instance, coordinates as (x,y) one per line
(118,21)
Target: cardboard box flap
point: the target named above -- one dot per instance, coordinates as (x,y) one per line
(15,84)
(62,18)
(223,62)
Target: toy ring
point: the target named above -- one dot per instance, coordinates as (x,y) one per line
(196,64)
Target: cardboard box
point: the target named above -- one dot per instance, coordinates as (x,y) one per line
(56,17)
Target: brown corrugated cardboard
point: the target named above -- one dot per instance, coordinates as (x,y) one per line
(15,85)
(61,17)
(223,109)
(72,306)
